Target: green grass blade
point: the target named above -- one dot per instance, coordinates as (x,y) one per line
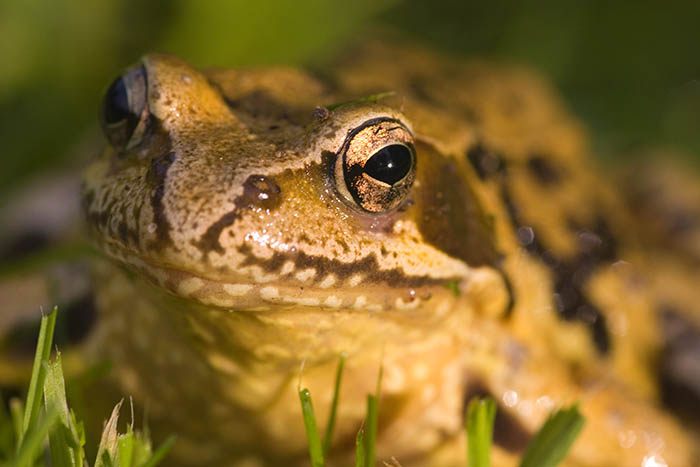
(17,414)
(372,422)
(7,432)
(108,443)
(481,414)
(106,460)
(334,406)
(143,450)
(80,437)
(160,453)
(33,439)
(64,441)
(553,441)
(125,447)
(36,384)
(312,436)
(360,459)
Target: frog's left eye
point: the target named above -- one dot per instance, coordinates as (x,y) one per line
(376,165)
(124,113)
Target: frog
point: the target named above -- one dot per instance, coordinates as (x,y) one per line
(436,221)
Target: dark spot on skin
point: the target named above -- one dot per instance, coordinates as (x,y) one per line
(156,177)
(258,192)
(126,234)
(99,219)
(320,113)
(543,171)
(485,162)
(209,241)
(303,238)
(123,230)
(508,433)
(509,290)
(679,366)
(596,245)
(450,216)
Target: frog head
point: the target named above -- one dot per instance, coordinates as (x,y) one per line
(229,189)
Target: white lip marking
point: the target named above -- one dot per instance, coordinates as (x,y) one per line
(287,268)
(269,292)
(328,281)
(332,301)
(355,280)
(237,289)
(189,286)
(401,305)
(360,302)
(305,274)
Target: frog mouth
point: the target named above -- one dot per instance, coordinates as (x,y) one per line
(246,293)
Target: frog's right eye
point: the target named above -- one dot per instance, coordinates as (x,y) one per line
(375,168)
(124,113)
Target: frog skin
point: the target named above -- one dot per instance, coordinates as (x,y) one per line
(455,234)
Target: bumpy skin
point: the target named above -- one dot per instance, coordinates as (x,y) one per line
(243,260)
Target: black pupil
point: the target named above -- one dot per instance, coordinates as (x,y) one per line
(116,103)
(390,164)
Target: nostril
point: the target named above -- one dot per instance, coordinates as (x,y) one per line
(260,191)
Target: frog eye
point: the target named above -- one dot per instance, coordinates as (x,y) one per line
(124,113)
(376,165)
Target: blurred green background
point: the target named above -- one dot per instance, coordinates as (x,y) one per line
(630,69)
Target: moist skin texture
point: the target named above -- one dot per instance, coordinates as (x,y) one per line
(508,266)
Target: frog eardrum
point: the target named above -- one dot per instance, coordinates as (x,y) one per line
(124,112)
(376,165)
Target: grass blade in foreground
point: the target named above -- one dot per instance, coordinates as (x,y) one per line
(481,414)
(125,448)
(36,384)
(312,436)
(360,448)
(552,442)
(110,439)
(160,453)
(31,445)
(17,414)
(67,438)
(372,422)
(334,406)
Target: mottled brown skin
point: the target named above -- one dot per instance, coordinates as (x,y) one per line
(247,260)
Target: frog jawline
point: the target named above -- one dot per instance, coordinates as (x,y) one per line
(250,295)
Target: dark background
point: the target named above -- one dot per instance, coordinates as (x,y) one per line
(630,69)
